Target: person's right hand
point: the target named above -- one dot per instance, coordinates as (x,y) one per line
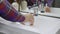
(47,9)
(29,18)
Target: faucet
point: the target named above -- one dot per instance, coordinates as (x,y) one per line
(42,6)
(35,8)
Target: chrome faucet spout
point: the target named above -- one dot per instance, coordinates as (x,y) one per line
(42,6)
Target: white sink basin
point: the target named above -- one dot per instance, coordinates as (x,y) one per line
(5,29)
(42,25)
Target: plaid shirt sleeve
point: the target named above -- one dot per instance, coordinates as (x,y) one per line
(9,13)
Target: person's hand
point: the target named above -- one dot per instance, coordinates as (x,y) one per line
(28,18)
(47,9)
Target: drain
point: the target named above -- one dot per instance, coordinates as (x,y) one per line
(2,33)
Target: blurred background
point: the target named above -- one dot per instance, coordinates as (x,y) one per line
(55,3)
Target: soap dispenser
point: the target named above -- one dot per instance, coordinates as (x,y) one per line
(23,5)
(15,5)
(47,8)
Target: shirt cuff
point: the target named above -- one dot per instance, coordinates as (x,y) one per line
(21,19)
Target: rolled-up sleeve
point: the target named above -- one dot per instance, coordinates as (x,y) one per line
(9,13)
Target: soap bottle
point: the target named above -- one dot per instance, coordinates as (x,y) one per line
(47,8)
(23,5)
(15,5)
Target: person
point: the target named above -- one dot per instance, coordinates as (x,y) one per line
(9,13)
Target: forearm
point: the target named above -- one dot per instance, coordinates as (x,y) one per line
(9,13)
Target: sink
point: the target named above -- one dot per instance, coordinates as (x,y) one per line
(7,30)
(3,30)
(42,25)
(8,27)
